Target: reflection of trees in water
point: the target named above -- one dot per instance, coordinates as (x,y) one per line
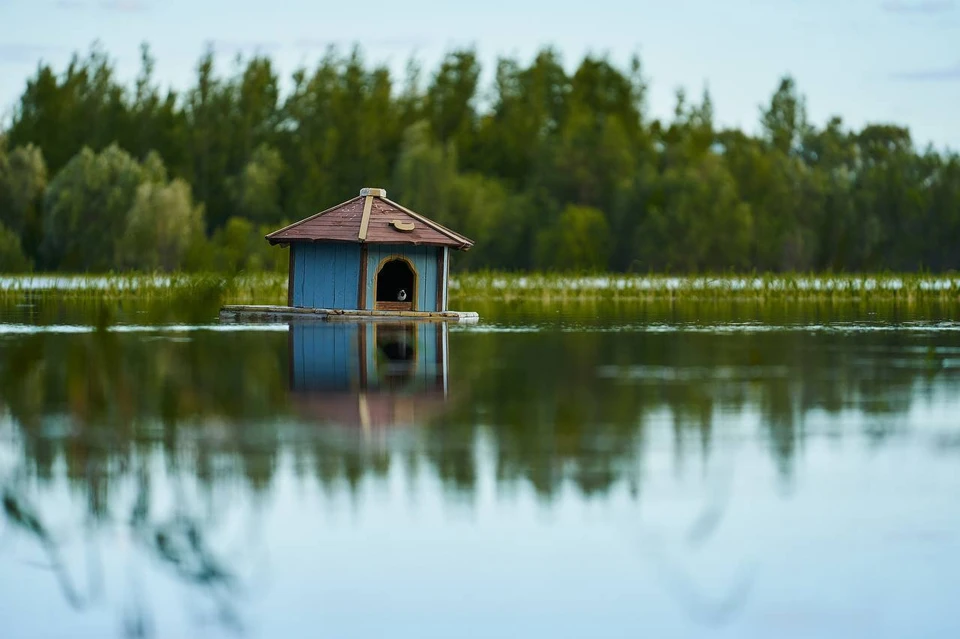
(97,399)
(103,403)
(580,406)
(177,539)
(575,407)
(551,409)
(23,518)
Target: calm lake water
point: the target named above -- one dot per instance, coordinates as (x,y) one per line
(637,470)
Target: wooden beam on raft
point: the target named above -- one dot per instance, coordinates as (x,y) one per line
(248,312)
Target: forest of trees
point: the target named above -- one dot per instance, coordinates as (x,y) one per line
(544,169)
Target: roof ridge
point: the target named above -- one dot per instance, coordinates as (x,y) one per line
(435,225)
(269,236)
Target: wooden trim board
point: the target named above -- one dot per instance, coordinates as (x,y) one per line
(245,312)
(440,282)
(362,295)
(291,270)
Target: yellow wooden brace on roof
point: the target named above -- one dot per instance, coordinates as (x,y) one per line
(365,218)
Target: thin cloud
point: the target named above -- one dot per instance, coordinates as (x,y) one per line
(71,4)
(926,7)
(944,74)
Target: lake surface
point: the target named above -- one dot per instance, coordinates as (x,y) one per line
(586,470)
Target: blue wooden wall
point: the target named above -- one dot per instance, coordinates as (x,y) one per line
(325,356)
(424,259)
(328,357)
(326,274)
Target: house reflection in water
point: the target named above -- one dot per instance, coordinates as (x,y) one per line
(373,375)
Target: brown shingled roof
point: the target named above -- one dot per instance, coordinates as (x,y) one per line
(370,217)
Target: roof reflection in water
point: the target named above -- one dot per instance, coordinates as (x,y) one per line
(368,376)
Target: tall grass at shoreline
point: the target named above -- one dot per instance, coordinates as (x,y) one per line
(813,287)
(271,288)
(265,288)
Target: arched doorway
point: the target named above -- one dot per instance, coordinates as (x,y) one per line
(396,286)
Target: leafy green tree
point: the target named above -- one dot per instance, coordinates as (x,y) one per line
(23,178)
(208,108)
(239,246)
(579,242)
(85,210)
(943,214)
(497,220)
(700,223)
(889,199)
(425,173)
(157,122)
(84,107)
(604,156)
(450,102)
(12,258)
(231,245)
(256,103)
(831,154)
(527,115)
(785,120)
(162,225)
(785,197)
(341,129)
(255,192)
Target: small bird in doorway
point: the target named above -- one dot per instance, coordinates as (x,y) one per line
(402,295)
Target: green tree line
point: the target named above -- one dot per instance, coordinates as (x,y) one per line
(544,168)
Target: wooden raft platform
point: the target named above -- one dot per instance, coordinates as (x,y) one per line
(248,313)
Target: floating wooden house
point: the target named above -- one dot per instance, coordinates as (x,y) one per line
(367,257)
(368,375)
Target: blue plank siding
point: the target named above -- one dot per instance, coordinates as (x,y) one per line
(325,356)
(424,259)
(427,356)
(326,275)
(328,357)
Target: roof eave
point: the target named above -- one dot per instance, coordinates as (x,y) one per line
(286,241)
(270,237)
(453,235)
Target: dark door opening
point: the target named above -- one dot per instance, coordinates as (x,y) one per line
(396,354)
(396,287)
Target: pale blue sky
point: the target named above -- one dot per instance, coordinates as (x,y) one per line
(866,60)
